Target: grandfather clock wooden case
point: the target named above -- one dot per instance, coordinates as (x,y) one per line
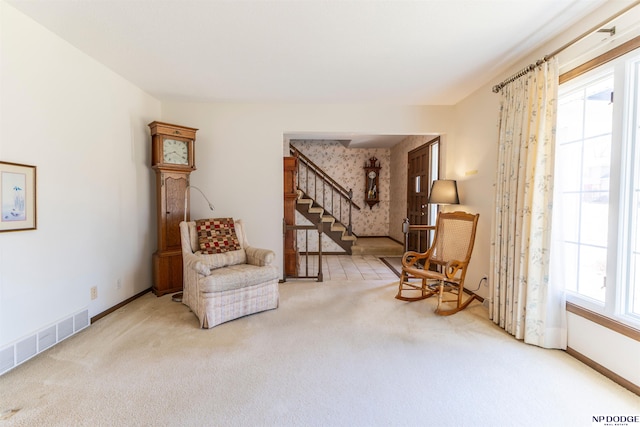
(172,158)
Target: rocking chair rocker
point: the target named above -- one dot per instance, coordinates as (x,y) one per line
(442,268)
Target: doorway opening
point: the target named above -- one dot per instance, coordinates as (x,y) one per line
(423,168)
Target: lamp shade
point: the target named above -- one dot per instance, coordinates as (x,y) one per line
(444,192)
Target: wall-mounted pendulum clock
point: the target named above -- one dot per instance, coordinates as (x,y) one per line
(173,159)
(372,177)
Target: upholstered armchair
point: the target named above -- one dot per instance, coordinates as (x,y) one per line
(224,277)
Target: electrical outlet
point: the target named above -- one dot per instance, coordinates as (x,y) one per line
(94,292)
(119,284)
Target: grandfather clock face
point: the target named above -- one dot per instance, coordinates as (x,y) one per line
(172,146)
(175,152)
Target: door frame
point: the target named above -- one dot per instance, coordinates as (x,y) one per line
(420,240)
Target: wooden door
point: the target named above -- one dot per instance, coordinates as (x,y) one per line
(423,166)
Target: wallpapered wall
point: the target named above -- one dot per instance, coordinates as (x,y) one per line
(346,166)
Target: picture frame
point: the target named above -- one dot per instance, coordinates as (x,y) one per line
(17,197)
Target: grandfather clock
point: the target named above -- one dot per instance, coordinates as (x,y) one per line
(173,159)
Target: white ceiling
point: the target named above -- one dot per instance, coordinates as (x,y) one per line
(424,52)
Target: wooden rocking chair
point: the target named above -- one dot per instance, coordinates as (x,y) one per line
(443,267)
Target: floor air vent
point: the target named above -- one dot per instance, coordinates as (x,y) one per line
(25,348)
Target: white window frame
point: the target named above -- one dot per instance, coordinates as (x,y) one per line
(626,119)
(629,160)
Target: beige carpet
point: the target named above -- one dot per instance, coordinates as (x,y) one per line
(333,354)
(379,246)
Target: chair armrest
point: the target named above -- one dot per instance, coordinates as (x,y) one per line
(410,258)
(452,268)
(259,257)
(193,262)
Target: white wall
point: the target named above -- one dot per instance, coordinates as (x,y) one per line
(239,150)
(614,351)
(85,129)
(471,160)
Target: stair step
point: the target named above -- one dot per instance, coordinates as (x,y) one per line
(338,232)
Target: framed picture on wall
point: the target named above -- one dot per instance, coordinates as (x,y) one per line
(17,197)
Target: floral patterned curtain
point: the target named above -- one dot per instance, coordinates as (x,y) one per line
(523,300)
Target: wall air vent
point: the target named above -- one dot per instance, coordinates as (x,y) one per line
(7,359)
(65,328)
(28,347)
(81,320)
(46,338)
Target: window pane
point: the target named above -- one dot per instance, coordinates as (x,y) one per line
(599,108)
(594,221)
(570,259)
(570,117)
(632,292)
(583,159)
(593,267)
(596,162)
(570,213)
(435,159)
(571,171)
(435,162)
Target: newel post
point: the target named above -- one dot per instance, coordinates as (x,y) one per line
(405,231)
(349,228)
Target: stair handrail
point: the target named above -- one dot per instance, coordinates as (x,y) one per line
(333,188)
(347,194)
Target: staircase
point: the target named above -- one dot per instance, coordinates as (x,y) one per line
(333,228)
(320,199)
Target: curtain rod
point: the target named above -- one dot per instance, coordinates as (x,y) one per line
(539,62)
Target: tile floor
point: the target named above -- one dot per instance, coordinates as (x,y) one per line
(347,267)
